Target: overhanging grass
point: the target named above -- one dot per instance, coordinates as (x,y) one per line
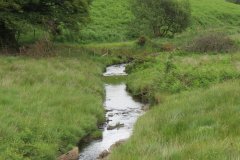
(201,124)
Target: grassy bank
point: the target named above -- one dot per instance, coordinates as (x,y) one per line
(200,124)
(170,73)
(195,99)
(48,104)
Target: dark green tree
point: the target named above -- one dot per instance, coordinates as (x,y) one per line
(161,17)
(17,15)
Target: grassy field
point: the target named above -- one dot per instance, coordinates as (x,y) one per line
(200,124)
(48,104)
(110,20)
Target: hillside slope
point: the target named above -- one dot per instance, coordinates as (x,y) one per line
(110,19)
(215,13)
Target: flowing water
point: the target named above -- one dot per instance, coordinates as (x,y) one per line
(122,112)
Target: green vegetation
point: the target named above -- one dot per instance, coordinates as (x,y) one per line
(47,105)
(201,124)
(17,16)
(215,13)
(109,21)
(52,97)
(172,73)
(234,1)
(194,94)
(160,18)
(212,42)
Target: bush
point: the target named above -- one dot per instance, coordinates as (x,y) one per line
(168,47)
(42,48)
(211,42)
(161,17)
(141,41)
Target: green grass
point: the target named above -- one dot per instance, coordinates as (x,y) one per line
(195,97)
(200,124)
(195,107)
(172,73)
(196,111)
(48,104)
(110,22)
(214,13)
(111,19)
(32,35)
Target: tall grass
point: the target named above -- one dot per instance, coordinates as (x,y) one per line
(201,124)
(172,73)
(48,104)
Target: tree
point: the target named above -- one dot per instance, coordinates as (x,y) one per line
(162,17)
(16,15)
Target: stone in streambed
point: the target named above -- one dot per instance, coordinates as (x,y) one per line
(117,126)
(117,144)
(103,155)
(146,107)
(110,115)
(71,155)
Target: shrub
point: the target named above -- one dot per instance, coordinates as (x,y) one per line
(161,17)
(142,41)
(42,48)
(211,42)
(168,47)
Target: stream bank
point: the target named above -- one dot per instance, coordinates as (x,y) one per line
(122,112)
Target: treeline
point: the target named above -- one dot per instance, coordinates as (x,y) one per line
(17,16)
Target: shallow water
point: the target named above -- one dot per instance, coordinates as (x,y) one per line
(115,70)
(121,109)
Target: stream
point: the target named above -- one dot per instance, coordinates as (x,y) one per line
(122,112)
